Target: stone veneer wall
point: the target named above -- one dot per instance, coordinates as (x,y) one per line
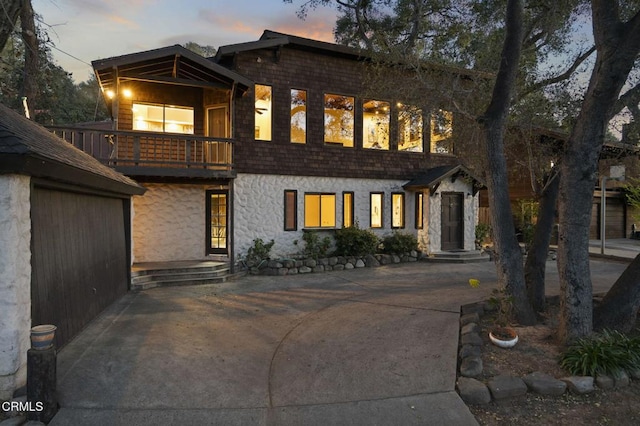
(259,207)
(435,214)
(169,223)
(15,281)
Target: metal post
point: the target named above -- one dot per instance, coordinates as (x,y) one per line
(603,210)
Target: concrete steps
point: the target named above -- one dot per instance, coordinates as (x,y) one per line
(473,256)
(167,274)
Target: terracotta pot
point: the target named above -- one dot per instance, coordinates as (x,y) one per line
(42,336)
(503,337)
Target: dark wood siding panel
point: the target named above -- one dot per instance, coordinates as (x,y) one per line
(79,258)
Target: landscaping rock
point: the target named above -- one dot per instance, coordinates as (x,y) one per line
(469,318)
(579,384)
(338,267)
(503,387)
(473,391)
(349,266)
(471,366)
(396,258)
(544,384)
(311,263)
(293,271)
(471,339)
(621,379)
(283,271)
(319,268)
(472,327)
(333,261)
(304,270)
(605,382)
(371,261)
(469,350)
(289,263)
(359,263)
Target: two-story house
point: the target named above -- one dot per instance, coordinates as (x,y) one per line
(272,138)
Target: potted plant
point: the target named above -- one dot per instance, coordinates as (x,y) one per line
(501,333)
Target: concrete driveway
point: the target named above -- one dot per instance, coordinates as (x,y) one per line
(363,347)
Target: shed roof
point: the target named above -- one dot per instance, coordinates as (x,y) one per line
(28,148)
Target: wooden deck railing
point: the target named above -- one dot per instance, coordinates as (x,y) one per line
(146,153)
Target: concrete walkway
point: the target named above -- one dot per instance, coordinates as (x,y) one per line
(364,347)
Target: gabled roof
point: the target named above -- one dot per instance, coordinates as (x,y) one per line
(174,64)
(432,177)
(271,39)
(28,148)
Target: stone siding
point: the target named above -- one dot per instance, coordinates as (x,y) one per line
(15,282)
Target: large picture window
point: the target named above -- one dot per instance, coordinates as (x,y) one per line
(162,118)
(410,129)
(319,210)
(263,112)
(442,132)
(375,124)
(298,116)
(397,210)
(339,119)
(377,205)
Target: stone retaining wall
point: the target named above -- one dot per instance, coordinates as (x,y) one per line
(334,263)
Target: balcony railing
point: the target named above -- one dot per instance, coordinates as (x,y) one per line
(154,154)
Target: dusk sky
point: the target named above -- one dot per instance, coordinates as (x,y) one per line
(95,29)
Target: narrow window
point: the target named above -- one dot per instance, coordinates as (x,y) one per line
(419,209)
(442,132)
(298,116)
(377,200)
(409,128)
(263,112)
(397,210)
(347,209)
(162,118)
(339,119)
(290,210)
(375,124)
(319,210)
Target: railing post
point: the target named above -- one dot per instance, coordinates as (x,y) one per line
(136,149)
(187,153)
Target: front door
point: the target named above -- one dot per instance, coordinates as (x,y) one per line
(217,221)
(452,221)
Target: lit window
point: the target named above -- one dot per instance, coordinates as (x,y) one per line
(298,116)
(338,119)
(397,210)
(410,129)
(442,132)
(162,118)
(319,210)
(290,210)
(263,112)
(377,199)
(375,124)
(347,209)
(419,209)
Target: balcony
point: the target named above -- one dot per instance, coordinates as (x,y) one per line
(154,154)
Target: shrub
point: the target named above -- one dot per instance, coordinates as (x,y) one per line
(399,243)
(483,230)
(314,246)
(257,253)
(353,241)
(606,353)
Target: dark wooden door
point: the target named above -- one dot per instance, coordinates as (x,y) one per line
(452,221)
(79,258)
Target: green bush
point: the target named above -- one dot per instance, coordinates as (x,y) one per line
(315,247)
(483,230)
(399,243)
(353,241)
(257,253)
(606,353)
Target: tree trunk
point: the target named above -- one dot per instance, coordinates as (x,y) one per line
(619,308)
(536,263)
(618,45)
(508,254)
(9,11)
(30,38)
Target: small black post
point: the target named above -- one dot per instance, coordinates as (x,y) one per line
(41,384)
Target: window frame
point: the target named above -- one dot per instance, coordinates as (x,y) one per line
(387,121)
(371,195)
(352,142)
(350,207)
(402,213)
(270,110)
(164,107)
(290,206)
(320,195)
